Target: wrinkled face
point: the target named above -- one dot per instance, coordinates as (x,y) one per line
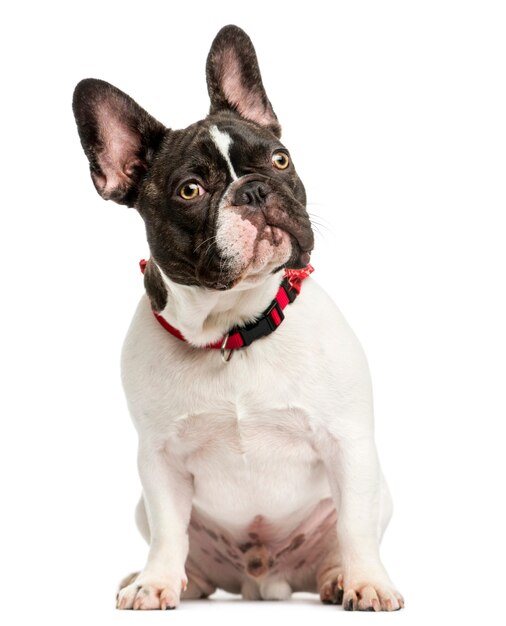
(221,201)
(232,212)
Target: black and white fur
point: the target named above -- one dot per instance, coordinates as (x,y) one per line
(260,476)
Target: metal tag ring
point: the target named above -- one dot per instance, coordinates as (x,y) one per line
(226,355)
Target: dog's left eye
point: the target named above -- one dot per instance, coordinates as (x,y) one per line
(190,190)
(280,160)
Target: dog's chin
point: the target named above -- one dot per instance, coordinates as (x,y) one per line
(252,263)
(272,256)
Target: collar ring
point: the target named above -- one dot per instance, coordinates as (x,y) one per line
(226,355)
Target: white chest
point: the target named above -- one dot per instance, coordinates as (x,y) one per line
(249,465)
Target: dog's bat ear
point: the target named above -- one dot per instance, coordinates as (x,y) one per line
(234,81)
(118,136)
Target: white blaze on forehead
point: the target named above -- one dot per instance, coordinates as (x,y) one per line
(222,141)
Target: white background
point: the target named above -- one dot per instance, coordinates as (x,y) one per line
(395,114)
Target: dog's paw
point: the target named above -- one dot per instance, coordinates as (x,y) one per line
(147,592)
(331,590)
(371,596)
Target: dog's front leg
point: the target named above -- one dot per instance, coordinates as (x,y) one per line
(363,509)
(168,492)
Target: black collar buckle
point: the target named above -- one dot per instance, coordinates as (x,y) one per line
(261,327)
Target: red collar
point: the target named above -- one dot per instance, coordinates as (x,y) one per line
(267,322)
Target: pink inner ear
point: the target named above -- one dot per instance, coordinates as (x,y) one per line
(119,152)
(248,103)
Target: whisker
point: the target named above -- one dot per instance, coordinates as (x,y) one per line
(318,216)
(203,242)
(213,243)
(221,269)
(210,258)
(317,226)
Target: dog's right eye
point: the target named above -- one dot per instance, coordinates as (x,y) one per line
(190,190)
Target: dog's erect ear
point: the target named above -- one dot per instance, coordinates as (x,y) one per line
(234,81)
(118,137)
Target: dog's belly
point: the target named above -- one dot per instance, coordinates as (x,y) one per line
(261,502)
(262,551)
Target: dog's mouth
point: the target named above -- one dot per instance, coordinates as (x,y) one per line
(300,257)
(299,230)
(281,225)
(275,234)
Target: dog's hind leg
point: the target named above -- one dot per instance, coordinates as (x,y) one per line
(198,584)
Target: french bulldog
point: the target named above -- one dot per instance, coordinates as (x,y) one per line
(250,394)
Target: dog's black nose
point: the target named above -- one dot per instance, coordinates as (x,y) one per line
(252,193)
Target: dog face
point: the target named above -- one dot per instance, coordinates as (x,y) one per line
(221,200)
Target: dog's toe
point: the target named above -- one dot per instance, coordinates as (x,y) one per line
(372,597)
(145,593)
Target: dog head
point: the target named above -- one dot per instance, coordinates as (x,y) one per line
(221,200)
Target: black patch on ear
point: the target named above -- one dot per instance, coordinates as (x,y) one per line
(234,81)
(155,287)
(118,137)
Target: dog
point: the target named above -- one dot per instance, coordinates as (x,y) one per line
(250,394)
